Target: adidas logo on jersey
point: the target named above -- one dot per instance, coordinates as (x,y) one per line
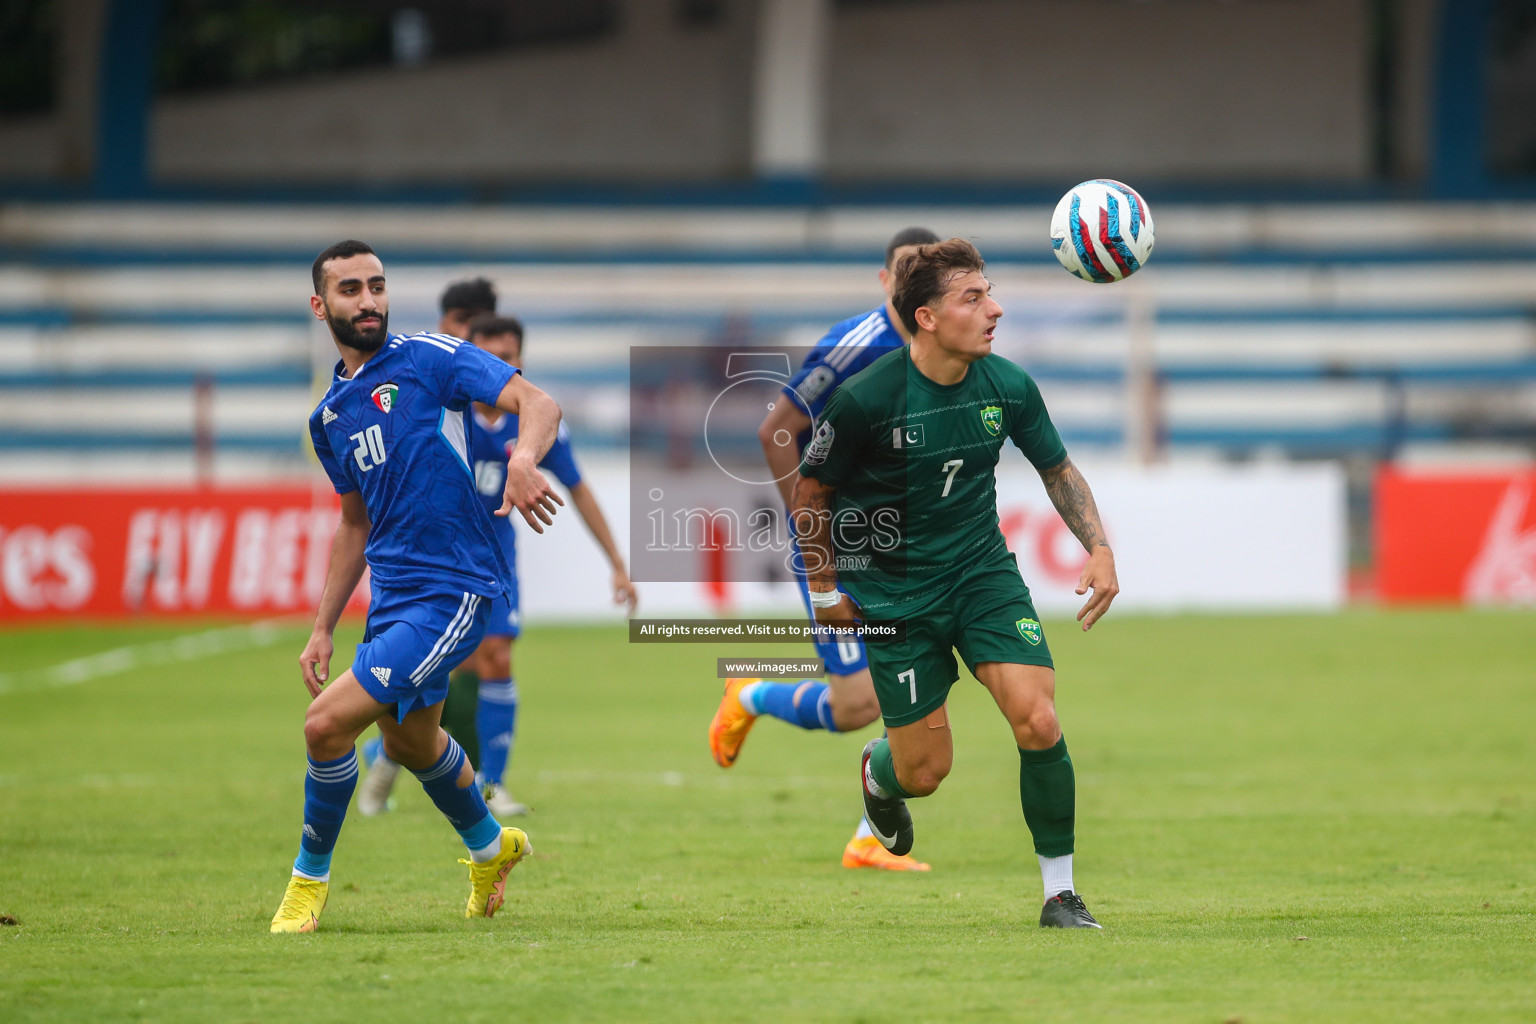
(382,675)
(326,416)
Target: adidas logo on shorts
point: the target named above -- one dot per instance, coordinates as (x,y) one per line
(382,675)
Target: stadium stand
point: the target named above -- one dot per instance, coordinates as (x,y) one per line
(139,332)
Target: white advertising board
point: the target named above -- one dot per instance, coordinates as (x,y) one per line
(1218,538)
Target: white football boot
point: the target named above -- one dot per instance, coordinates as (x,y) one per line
(373,794)
(501,804)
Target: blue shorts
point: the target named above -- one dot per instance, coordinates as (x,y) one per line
(839,657)
(414,637)
(505,619)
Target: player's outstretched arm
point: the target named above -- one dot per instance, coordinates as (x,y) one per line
(779,431)
(586,503)
(811,510)
(341,576)
(1070,494)
(538,418)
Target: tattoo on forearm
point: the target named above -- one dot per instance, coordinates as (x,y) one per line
(1069,492)
(813,518)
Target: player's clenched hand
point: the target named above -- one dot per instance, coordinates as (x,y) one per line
(315,662)
(1098,576)
(529,493)
(624,591)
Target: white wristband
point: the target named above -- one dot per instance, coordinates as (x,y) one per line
(825,598)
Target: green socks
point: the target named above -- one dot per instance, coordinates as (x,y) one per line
(459,712)
(883,771)
(1048,793)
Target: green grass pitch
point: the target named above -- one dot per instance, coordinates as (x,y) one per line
(1280,819)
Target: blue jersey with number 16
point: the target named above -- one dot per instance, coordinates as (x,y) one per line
(489,448)
(398,432)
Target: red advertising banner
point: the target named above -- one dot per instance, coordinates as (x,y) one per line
(177,551)
(1456,537)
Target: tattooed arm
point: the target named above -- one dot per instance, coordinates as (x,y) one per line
(811,511)
(1069,492)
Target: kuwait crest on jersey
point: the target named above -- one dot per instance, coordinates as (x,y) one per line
(384,396)
(992,419)
(1029,629)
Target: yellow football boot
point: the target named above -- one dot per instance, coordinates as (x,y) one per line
(866,852)
(728,729)
(488,881)
(302,903)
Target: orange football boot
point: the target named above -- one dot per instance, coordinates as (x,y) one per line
(866,852)
(729,728)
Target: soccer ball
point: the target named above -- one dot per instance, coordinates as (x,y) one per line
(1102,231)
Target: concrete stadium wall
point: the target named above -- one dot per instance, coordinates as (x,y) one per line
(1011,89)
(656,101)
(1036,88)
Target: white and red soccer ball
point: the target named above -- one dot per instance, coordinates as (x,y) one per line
(1102,231)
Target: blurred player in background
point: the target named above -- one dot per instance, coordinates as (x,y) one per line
(494,439)
(914,441)
(459,304)
(411,515)
(463,301)
(846,701)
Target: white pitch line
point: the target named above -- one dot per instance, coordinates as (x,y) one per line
(187,647)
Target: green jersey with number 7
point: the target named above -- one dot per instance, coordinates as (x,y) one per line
(914,465)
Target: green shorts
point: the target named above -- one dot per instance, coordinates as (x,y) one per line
(986,615)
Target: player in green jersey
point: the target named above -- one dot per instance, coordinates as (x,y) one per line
(896,508)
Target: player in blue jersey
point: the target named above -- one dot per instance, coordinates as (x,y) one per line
(846,701)
(391,435)
(460,303)
(464,302)
(495,436)
(492,440)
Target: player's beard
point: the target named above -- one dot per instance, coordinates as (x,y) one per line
(364,340)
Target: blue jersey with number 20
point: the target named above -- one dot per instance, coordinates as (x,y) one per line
(398,432)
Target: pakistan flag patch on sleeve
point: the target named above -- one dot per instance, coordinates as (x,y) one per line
(1029,629)
(992,419)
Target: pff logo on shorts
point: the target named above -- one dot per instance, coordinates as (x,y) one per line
(1029,629)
